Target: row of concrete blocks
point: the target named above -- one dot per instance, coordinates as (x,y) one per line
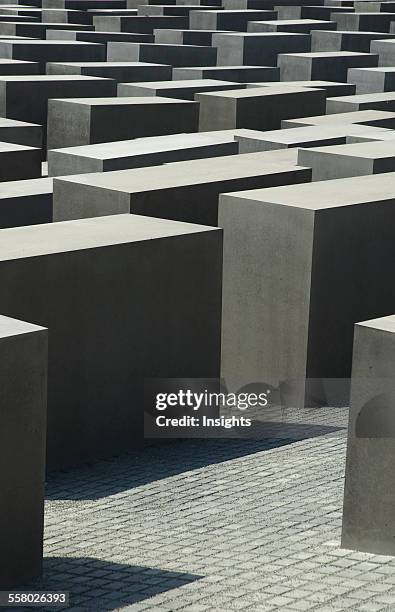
(30,202)
(229,49)
(157,254)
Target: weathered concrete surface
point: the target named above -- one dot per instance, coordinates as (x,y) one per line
(288,292)
(95,403)
(184,191)
(368,519)
(23,398)
(82,121)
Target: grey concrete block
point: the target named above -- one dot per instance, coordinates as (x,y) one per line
(139,24)
(184,37)
(322,13)
(18,67)
(349,159)
(331,87)
(26,97)
(176,55)
(303,26)
(372,80)
(262,108)
(111,260)
(368,520)
(23,396)
(20,132)
(98,37)
(344,41)
(374,7)
(288,291)
(42,51)
(35,30)
(368,22)
(182,90)
(122,72)
(19,162)
(82,121)
(227,20)
(324,65)
(386,51)
(257,49)
(154,10)
(142,152)
(27,202)
(375,101)
(240,74)
(54,15)
(366,117)
(185,191)
(309,136)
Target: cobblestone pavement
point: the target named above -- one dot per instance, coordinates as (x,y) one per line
(216,525)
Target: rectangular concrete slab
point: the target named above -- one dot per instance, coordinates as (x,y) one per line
(82,121)
(23,399)
(302,26)
(186,191)
(183,90)
(309,136)
(327,65)
(176,55)
(139,24)
(368,520)
(372,80)
(232,20)
(142,152)
(344,40)
(240,74)
(262,108)
(374,101)
(349,159)
(42,51)
(124,265)
(122,72)
(375,118)
(259,49)
(331,87)
(27,202)
(97,37)
(294,281)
